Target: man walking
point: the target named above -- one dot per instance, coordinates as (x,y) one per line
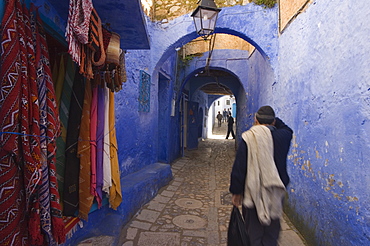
(230,127)
(219,118)
(259,176)
(224,114)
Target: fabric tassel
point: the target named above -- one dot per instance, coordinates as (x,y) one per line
(58,230)
(70,233)
(36,237)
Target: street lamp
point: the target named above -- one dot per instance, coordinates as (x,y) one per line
(205,17)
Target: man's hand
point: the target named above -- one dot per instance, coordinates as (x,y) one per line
(236,200)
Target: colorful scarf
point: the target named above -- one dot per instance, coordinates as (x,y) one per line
(93,126)
(107,169)
(64,116)
(100,143)
(72,165)
(86,198)
(115,195)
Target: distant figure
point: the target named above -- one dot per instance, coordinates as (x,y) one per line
(230,126)
(219,118)
(224,114)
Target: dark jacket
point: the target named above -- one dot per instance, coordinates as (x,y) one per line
(281,136)
(230,121)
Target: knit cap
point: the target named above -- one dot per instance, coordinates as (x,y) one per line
(265,114)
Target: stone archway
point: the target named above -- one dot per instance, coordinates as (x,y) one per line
(230,81)
(251,23)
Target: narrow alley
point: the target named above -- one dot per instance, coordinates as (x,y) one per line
(108,119)
(194,209)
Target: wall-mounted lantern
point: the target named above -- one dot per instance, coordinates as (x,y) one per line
(205,17)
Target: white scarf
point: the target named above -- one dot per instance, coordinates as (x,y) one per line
(263,186)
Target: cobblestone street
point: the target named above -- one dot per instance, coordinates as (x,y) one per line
(194,209)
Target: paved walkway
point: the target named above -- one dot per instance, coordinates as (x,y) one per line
(194,209)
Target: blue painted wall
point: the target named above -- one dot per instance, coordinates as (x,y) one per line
(169,125)
(323,92)
(164,105)
(136,131)
(202,99)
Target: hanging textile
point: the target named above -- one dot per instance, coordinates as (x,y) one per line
(59,80)
(34,55)
(107,170)
(55,74)
(99,143)
(72,165)
(93,146)
(66,95)
(13,207)
(64,106)
(22,165)
(51,214)
(86,198)
(71,225)
(115,195)
(78,27)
